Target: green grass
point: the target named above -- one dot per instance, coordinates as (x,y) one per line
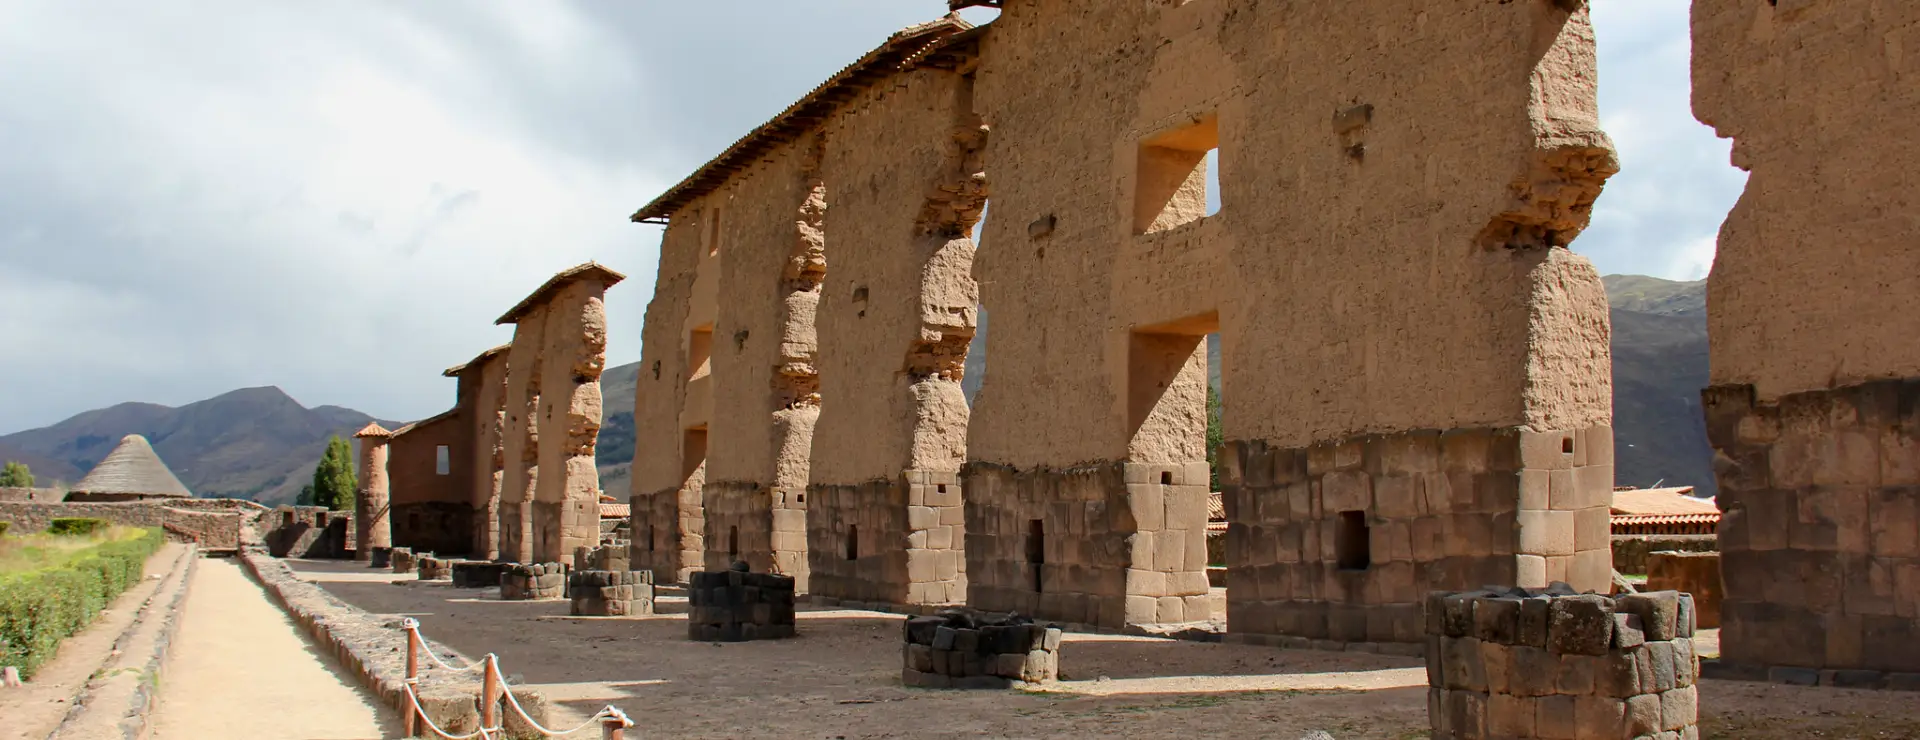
(43,550)
(52,586)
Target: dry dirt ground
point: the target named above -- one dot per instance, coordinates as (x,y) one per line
(240,668)
(840,679)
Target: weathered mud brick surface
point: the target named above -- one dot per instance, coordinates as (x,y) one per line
(605,593)
(523,582)
(434,569)
(965,649)
(401,559)
(735,605)
(1558,665)
(1820,528)
(477,573)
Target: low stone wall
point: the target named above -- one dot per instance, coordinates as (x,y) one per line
(734,606)
(1630,550)
(1695,573)
(610,593)
(211,528)
(477,573)
(430,568)
(1549,663)
(531,582)
(962,649)
(372,648)
(309,532)
(32,495)
(401,559)
(613,557)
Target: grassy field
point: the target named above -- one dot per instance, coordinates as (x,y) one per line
(22,553)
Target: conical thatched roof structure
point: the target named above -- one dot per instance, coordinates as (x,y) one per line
(132,469)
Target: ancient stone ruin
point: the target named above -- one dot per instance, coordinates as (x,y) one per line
(610,593)
(963,649)
(533,581)
(372,528)
(1553,664)
(735,605)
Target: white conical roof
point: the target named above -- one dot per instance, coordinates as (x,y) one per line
(132,467)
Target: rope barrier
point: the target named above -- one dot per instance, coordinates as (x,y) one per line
(611,720)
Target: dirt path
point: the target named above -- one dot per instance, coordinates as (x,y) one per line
(241,669)
(34,710)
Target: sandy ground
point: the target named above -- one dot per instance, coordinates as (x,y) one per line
(840,679)
(239,668)
(32,711)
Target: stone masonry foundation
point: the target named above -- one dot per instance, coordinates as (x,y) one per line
(1552,664)
(668,529)
(1820,527)
(524,582)
(431,568)
(1695,573)
(888,541)
(734,606)
(739,526)
(610,593)
(1110,545)
(1339,541)
(964,650)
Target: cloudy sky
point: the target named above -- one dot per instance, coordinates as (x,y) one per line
(339,198)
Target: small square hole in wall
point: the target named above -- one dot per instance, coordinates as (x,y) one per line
(1566,445)
(1174,184)
(1353,541)
(1166,478)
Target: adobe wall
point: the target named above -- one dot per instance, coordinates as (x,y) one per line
(772,258)
(520,450)
(896,314)
(214,527)
(429,511)
(669,516)
(1391,244)
(1812,414)
(566,507)
(33,495)
(483,391)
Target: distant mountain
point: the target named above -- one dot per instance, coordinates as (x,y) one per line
(1659,367)
(255,443)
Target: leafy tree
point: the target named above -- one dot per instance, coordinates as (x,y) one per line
(306,496)
(16,475)
(1214,439)
(333,478)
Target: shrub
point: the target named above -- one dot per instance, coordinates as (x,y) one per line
(3,528)
(40,608)
(72,526)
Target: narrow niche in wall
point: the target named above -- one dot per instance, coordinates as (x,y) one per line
(1352,541)
(1173,186)
(650,543)
(853,542)
(1037,551)
(733,543)
(711,235)
(700,352)
(442,460)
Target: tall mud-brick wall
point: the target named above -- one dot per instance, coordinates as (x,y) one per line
(674,397)
(1389,275)
(521,449)
(487,377)
(567,497)
(427,505)
(884,520)
(772,259)
(1814,411)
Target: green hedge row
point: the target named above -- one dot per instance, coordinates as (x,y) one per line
(70,526)
(40,608)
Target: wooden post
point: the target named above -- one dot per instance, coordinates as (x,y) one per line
(614,725)
(489,693)
(413,672)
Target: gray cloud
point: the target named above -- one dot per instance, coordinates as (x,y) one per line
(339,198)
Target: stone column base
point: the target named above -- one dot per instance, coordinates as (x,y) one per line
(965,650)
(735,606)
(534,582)
(604,593)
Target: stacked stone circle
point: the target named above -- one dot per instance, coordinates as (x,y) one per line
(434,569)
(380,557)
(400,559)
(533,581)
(610,593)
(1558,665)
(963,649)
(735,605)
(608,557)
(477,573)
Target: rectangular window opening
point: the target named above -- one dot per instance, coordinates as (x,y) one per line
(1175,184)
(1036,550)
(712,236)
(693,452)
(700,352)
(1352,541)
(442,460)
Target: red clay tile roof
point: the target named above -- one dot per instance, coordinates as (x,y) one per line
(902,50)
(1661,501)
(588,271)
(373,429)
(615,511)
(1641,519)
